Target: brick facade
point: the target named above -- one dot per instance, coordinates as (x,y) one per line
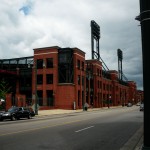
(89,84)
(68,85)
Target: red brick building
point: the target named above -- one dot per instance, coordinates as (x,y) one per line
(61,78)
(65,78)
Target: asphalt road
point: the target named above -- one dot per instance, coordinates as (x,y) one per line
(97,130)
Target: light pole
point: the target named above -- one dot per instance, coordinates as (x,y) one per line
(144,19)
(36,97)
(109,101)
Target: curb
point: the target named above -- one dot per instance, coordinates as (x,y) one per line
(135,142)
(140,144)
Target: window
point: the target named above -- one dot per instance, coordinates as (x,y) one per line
(64,57)
(100,73)
(110,87)
(97,72)
(103,86)
(107,87)
(39,63)
(65,66)
(78,64)
(91,83)
(83,80)
(40,97)
(100,84)
(82,66)
(25,109)
(78,97)
(116,88)
(78,79)
(49,78)
(40,79)
(49,62)
(50,99)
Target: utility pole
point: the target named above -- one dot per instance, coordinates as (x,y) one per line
(36,97)
(144,19)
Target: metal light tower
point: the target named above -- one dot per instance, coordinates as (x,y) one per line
(120,57)
(95,35)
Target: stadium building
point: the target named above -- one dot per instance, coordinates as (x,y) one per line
(56,77)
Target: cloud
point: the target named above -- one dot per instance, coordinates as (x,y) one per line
(29,24)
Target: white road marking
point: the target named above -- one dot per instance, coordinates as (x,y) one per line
(84,129)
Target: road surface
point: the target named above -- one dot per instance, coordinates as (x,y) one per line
(107,129)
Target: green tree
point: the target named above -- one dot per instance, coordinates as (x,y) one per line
(4,89)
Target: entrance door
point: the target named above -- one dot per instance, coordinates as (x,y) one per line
(50,99)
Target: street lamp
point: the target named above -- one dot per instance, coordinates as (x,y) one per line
(36,98)
(145,30)
(109,100)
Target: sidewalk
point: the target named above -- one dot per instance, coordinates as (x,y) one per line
(42,113)
(134,143)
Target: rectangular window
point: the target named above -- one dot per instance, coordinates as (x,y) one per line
(78,97)
(65,66)
(78,79)
(91,83)
(49,78)
(103,86)
(116,88)
(40,79)
(110,87)
(40,97)
(97,72)
(82,80)
(107,87)
(78,64)
(49,62)
(82,66)
(50,98)
(39,64)
(100,84)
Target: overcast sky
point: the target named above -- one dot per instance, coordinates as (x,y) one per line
(29,24)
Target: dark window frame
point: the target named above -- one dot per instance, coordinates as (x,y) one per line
(49,78)
(40,79)
(79,79)
(39,63)
(82,66)
(49,62)
(78,64)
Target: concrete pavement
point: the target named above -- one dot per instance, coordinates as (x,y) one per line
(64,111)
(134,143)
(42,113)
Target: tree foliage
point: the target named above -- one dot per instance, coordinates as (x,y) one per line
(4,89)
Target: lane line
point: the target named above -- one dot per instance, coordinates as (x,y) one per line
(43,127)
(39,128)
(84,129)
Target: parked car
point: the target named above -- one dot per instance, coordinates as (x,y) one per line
(32,112)
(142,107)
(17,112)
(138,104)
(1,112)
(129,104)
